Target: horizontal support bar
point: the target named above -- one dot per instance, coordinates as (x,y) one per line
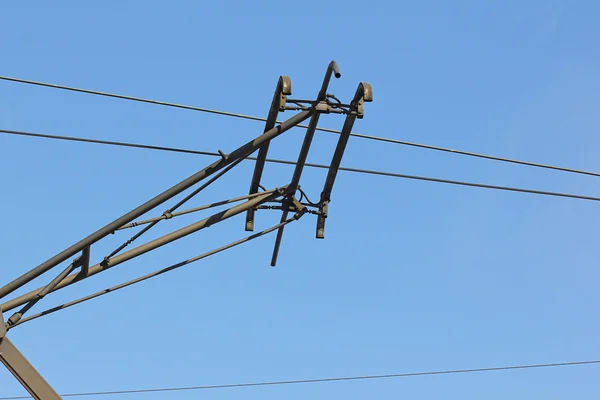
(154,244)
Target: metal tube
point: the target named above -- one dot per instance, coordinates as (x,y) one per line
(156,273)
(240,152)
(284,88)
(195,209)
(25,373)
(363,94)
(331,68)
(310,133)
(284,215)
(154,244)
(18,315)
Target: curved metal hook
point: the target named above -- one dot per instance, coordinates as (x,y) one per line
(284,89)
(332,68)
(364,93)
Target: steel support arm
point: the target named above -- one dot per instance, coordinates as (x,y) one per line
(242,152)
(154,244)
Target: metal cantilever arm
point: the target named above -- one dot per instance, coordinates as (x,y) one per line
(153,244)
(364,93)
(240,153)
(284,89)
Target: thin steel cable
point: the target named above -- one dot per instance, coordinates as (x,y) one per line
(359,135)
(323,380)
(123,97)
(311,165)
(195,209)
(157,273)
(175,207)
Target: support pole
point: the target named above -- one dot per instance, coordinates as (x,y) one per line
(18,365)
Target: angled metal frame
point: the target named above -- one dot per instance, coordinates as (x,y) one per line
(320,105)
(241,152)
(283,197)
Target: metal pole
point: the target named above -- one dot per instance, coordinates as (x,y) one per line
(154,244)
(241,152)
(25,373)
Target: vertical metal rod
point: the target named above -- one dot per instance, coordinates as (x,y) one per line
(284,216)
(332,68)
(154,244)
(310,133)
(84,260)
(241,152)
(284,88)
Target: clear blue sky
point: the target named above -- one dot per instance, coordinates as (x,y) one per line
(412,276)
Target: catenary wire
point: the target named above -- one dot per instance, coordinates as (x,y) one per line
(250,117)
(322,380)
(311,165)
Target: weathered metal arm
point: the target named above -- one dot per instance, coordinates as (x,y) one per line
(154,244)
(242,152)
(320,106)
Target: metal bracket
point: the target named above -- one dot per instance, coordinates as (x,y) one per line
(284,89)
(2,325)
(83,261)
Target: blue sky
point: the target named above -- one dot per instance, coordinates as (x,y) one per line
(412,276)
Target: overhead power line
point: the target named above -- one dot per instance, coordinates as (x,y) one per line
(311,165)
(320,380)
(254,118)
